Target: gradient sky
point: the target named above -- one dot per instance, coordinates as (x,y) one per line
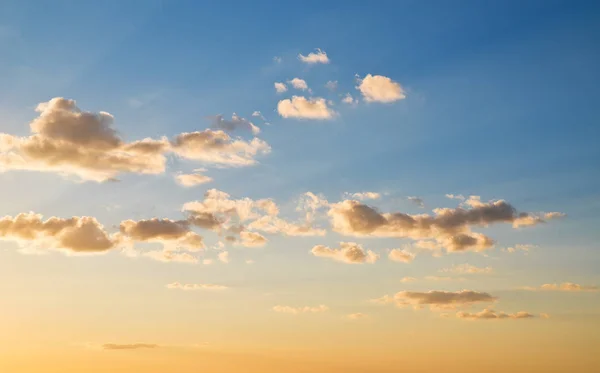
(492,102)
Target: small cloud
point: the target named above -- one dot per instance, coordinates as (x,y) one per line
(331,85)
(417,201)
(348,99)
(565,286)
(190,180)
(467,269)
(378,88)
(179,286)
(456,196)
(280,87)
(302,108)
(402,256)
(277,59)
(298,310)
(349,252)
(250,261)
(519,247)
(362,196)
(314,58)
(131,346)
(488,314)
(443,278)
(299,84)
(224,256)
(356,316)
(405,280)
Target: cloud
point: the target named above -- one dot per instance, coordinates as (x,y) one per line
(277,59)
(190,180)
(131,346)
(303,108)
(170,233)
(443,278)
(217,147)
(299,84)
(520,247)
(488,314)
(349,252)
(408,279)
(331,85)
(417,201)
(402,256)
(252,239)
(179,286)
(565,286)
(298,310)
(223,257)
(314,58)
(171,256)
(377,88)
(69,141)
(450,228)
(467,269)
(356,316)
(280,87)
(456,196)
(258,114)
(73,235)
(276,225)
(348,99)
(364,195)
(437,300)
(236,122)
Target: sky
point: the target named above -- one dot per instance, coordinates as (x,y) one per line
(331,186)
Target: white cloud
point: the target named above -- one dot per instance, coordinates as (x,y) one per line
(303,108)
(377,88)
(456,196)
(348,99)
(280,87)
(314,58)
(349,252)
(299,84)
(364,195)
(190,180)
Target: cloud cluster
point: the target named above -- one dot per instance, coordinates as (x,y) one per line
(349,252)
(69,141)
(314,57)
(179,286)
(298,310)
(447,228)
(305,108)
(378,88)
(75,235)
(488,314)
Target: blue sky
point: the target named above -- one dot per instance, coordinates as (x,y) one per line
(501,102)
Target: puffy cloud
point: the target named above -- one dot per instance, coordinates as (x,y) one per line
(311,203)
(179,286)
(299,84)
(364,195)
(403,256)
(348,99)
(298,310)
(356,316)
(171,256)
(378,88)
(69,141)
(252,239)
(488,314)
(131,346)
(349,252)
(331,85)
(303,108)
(437,300)
(417,201)
(170,233)
(224,256)
(448,227)
(467,269)
(314,57)
(280,87)
(408,279)
(75,235)
(190,180)
(235,123)
(565,286)
(217,147)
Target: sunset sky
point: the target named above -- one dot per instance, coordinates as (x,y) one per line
(317,186)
